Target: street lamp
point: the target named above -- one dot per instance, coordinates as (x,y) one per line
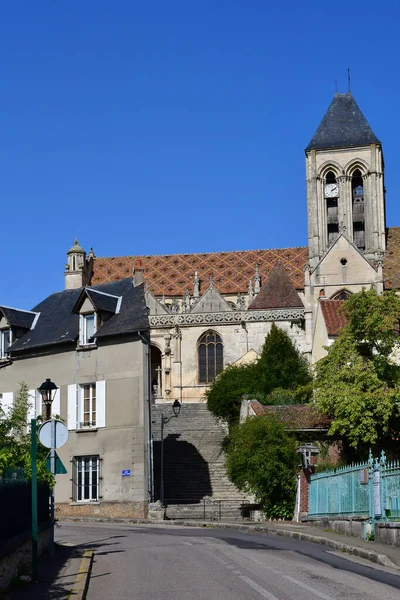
(48,391)
(176,408)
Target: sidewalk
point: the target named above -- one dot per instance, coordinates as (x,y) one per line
(61,576)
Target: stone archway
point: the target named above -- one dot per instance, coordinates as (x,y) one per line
(156,373)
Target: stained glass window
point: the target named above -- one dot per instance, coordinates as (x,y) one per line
(211,356)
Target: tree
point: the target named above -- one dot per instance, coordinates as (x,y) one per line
(262,460)
(358,383)
(225,396)
(15,442)
(280,376)
(281,364)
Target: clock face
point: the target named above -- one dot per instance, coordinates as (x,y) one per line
(331,190)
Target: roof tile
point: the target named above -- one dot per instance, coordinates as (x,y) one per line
(294,416)
(334,319)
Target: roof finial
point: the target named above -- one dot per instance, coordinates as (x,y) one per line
(335,86)
(211,281)
(257,281)
(196,285)
(348,80)
(250,292)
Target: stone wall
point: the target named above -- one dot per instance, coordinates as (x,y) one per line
(128,510)
(387,533)
(16,556)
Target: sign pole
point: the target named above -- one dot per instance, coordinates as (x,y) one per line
(34,503)
(53,472)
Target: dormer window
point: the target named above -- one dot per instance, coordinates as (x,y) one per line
(87,329)
(5,342)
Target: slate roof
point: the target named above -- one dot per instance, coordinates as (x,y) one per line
(277,292)
(18,318)
(296,417)
(102,301)
(333,318)
(343,126)
(173,274)
(58,323)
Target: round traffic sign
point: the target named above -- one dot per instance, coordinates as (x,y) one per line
(60,437)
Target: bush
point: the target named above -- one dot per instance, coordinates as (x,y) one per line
(262,460)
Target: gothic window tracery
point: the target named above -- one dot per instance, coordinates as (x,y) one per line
(357,194)
(210,356)
(331,192)
(341,295)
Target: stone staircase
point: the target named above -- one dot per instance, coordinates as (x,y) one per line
(195,481)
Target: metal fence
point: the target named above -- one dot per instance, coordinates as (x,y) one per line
(391,489)
(370,489)
(16,506)
(210,509)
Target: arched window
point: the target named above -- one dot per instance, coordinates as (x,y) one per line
(341,295)
(357,194)
(331,192)
(211,356)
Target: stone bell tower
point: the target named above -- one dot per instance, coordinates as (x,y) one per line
(345,182)
(78,269)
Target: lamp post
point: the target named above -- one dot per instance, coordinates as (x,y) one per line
(176,408)
(48,391)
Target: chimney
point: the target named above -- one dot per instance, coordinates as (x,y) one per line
(138,273)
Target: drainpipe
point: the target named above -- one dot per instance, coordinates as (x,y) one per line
(148,402)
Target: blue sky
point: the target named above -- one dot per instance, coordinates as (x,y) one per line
(174,127)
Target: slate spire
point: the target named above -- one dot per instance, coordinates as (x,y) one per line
(343,126)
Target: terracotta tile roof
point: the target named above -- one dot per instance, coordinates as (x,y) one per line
(333,318)
(294,416)
(277,292)
(391,262)
(173,274)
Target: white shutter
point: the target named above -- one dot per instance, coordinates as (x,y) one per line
(72,400)
(38,403)
(100,403)
(56,405)
(31,407)
(7,402)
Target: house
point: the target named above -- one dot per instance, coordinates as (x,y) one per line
(93,342)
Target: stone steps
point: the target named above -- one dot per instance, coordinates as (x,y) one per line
(194,464)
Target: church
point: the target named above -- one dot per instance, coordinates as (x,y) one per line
(131,332)
(208,311)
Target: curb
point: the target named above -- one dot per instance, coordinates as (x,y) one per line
(375,557)
(81,584)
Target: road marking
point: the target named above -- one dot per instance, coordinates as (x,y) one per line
(258,588)
(306,587)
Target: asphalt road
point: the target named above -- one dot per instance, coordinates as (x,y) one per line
(170,563)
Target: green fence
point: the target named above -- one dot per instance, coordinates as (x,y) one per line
(15,505)
(370,489)
(391,489)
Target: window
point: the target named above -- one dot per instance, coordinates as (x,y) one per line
(87,329)
(341,295)
(357,188)
(85,479)
(5,342)
(88,405)
(210,353)
(331,191)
